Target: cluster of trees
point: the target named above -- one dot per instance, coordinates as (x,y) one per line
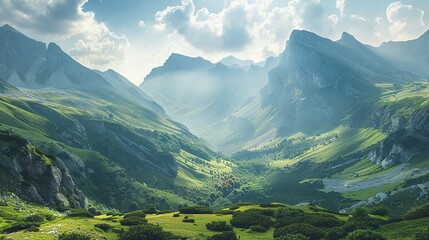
(30,223)
(196,210)
(134,218)
(228,184)
(290,223)
(218,226)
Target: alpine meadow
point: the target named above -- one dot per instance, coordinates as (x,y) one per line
(214,120)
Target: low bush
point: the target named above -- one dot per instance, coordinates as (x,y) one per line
(293,237)
(143,232)
(176,215)
(18,226)
(317,220)
(132,221)
(140,214)
(196,210)
(230,235)
(35,218)
(74,236)
(257,228)
(287,212)
(362,234)
(164,212)
(379,210)
(224,212)
(270,205)
(218,226)
(234,207)
(420,212)
(188,220)
(313,233)
(103,226)
(251,218)
(80,212)
(422,235)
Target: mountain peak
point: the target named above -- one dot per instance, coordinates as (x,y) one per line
(348,39)
(347,36)
(179,61)
(7,27)
(234,61)
(297,35)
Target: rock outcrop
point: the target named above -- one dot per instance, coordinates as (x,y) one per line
(35,177)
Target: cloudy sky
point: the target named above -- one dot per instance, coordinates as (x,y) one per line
(134,36)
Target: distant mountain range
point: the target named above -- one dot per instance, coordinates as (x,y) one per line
(311,87)
(201,93)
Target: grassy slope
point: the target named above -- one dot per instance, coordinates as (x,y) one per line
(197,230)
(62,223)
(40,115)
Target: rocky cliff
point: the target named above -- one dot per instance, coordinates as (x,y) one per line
(35,177)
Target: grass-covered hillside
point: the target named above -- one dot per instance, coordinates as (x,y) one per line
(119,153)
(378,156)
(20,220)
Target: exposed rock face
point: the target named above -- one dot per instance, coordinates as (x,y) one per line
(36,177)
(407,134)
(395,151)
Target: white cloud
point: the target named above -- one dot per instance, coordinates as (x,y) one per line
(204,30)
(244,26)
(64,20)
(406,21)
(142,24)
(341,5)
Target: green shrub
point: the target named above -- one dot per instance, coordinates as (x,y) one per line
(32,229)
(74,236)
(420,212)
(422,235)
(92,210)
(151,209)
(196,210)
(230,235)
(287,212)
(3,204)
(18,226)
(35,218)
(103,226)
(140,214)
(188,220)
(132,221)
(224,212)
(80,212)
(143,232)
(164,211)
(234,207)
(313,233)
(379,210)
(365,235)
(218,226)
(250,218)
(49,217)
(269,205)
(359,212)
(176,215)
(257,228)
(266,212)
(317,220)
(293,237)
